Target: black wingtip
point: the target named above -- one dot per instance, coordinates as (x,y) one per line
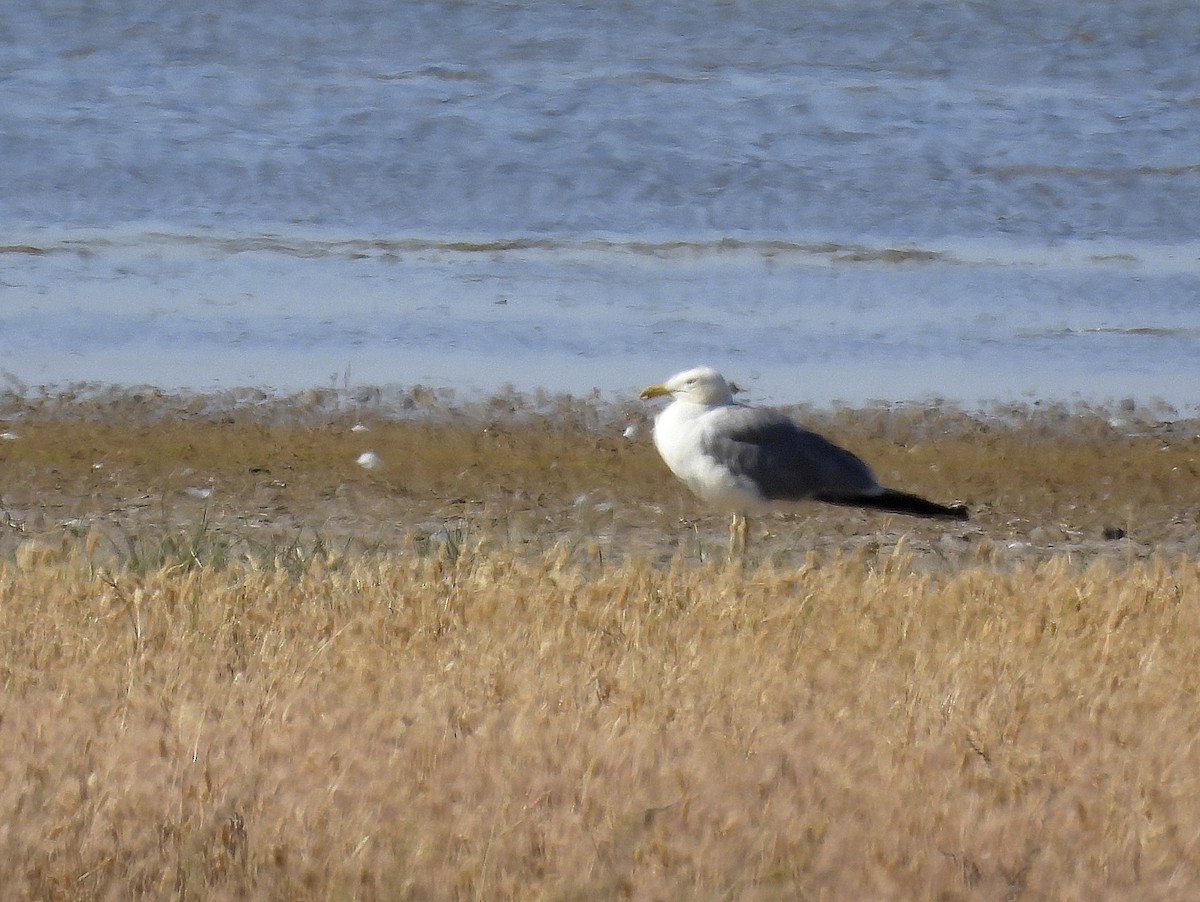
(901,503)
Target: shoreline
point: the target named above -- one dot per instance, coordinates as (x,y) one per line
(132,467)
(320,403)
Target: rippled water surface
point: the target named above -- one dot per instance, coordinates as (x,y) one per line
(852,200)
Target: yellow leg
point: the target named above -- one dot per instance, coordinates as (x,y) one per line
(739,534)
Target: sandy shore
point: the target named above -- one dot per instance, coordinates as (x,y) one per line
(253,473)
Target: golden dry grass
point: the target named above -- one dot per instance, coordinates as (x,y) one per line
(500,667)
(407,727)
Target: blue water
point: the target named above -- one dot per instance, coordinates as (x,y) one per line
(829,201)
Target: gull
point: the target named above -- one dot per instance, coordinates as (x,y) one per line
(745,459)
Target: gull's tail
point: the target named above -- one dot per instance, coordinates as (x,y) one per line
(899,503)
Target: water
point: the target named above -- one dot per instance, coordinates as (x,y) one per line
(828,201)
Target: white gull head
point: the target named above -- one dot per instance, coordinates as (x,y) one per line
(702,385)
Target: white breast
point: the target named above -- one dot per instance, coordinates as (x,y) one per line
(679,436)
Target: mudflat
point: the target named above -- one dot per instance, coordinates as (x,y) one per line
(535,472)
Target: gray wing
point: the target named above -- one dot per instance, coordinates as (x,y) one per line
(785,462)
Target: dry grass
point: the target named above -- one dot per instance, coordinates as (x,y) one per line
(407,727)
(453,678)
